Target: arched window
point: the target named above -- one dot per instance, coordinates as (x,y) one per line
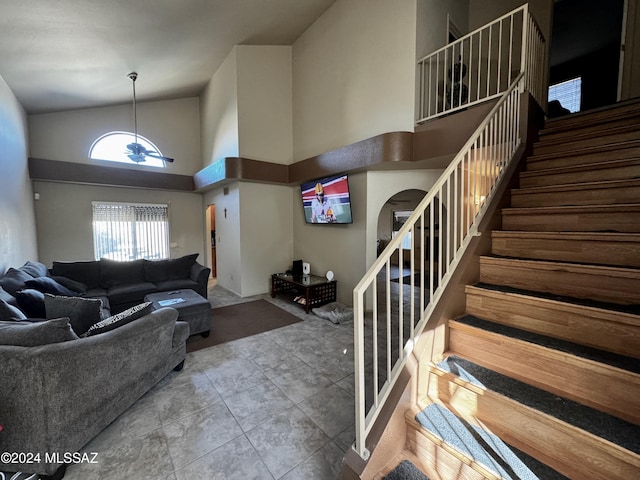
(112,147)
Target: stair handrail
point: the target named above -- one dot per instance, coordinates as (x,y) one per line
(481,65)
(479,166)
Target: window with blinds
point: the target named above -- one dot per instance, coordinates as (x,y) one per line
(130,231)
(567,93)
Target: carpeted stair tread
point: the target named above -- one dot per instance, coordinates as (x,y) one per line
(406,471)
(633,309)
(613,429)
(483,447)
(623,362)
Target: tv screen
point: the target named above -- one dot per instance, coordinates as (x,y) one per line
(327,200)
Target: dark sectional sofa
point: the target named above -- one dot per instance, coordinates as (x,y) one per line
(125,284)
(62,382)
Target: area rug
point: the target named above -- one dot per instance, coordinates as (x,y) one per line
(241,320)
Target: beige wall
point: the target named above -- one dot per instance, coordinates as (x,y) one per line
(219,113)
(64,215)
(432,18)
(339,248)
(172,125)
(266,234)
(254,234)
(354,75)
(264,103)
(17,220)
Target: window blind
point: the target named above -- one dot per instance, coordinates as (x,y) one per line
(128,231)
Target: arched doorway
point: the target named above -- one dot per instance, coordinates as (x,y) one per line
(392,217)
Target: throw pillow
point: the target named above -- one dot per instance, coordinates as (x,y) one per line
(13,280)
(49,285)
(9,312)
(31,302)
(35,269)
(82,312)
(7,297)
(120,319)
(85,272)
(26,334)
(74,285)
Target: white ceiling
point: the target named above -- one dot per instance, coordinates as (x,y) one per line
(66,54)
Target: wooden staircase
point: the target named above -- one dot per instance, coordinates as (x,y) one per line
(546,357)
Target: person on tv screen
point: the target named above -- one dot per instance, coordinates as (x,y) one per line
(321,211)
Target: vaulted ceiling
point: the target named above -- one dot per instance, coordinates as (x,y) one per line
(58,55)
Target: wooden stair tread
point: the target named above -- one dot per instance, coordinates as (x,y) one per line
(604,283)
(591,117)
(601,386)
(578,236)
(615,430)
(627,314)
(584,151)
(575,134)
(576,141)
(602,184)
(615,360)
(621,207)
(480,447)
(621,314)
(576,168)
(611,271)
(586,323)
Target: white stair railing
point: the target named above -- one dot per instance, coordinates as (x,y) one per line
(504,59)
(440,229)
(481,66)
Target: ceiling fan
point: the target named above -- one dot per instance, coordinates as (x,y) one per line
(136,151)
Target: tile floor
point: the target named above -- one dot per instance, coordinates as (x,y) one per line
(278,405)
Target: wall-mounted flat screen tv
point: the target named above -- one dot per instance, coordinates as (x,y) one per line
(327,200)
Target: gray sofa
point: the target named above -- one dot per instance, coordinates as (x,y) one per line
(61,381)
(125,284)
(55,398)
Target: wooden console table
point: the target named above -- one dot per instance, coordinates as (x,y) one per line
(309,291)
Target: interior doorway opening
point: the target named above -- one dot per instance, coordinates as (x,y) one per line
(211,228)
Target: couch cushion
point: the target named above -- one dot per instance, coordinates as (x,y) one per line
(129,293)
(13,280)
(31,302)
(171,269)
(84,272)
(27,334)
(182,284)
(35,269)
(114,273)
(10,312)
(82,312)
(49,285)
(71,284)
(119,319)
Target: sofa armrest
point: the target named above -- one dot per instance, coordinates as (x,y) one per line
(180,334)
(57,397)
(200,274)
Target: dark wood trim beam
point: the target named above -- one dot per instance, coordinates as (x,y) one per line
(236,168)
(385,148)
(70,172)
